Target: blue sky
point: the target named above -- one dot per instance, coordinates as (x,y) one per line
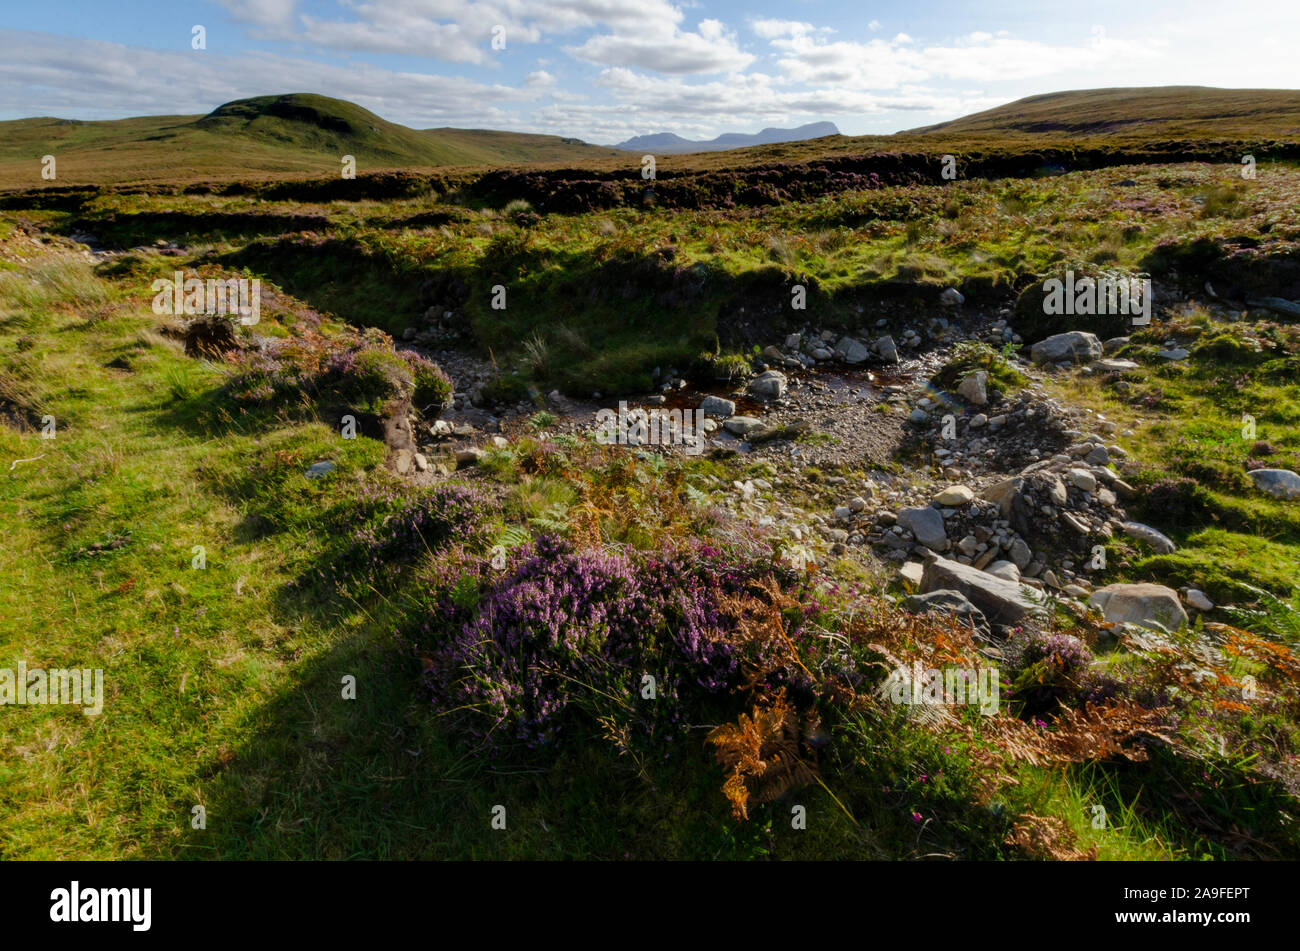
(604,70)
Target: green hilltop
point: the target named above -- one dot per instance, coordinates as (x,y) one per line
(298,133)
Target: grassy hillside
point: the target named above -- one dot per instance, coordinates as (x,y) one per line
(1175,111)
(267,135)
(303,135)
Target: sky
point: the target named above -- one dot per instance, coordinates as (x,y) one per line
(605,70)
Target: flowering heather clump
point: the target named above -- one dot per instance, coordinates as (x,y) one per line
(361,370)
(562,628)
(431,387)
(1050,668)
(390,528)
(1174,501)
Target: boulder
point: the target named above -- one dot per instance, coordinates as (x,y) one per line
(769,385)
(742,425)
(1113,365)
(912,572)
(952,298)
(1075,345)
(1279,483)
(927,525)
(717,406)
(955,495)
(948,601)
(1082,479)
(1162,544)
(1021,554)
(1278,305)
(975,388)
(1148,605)
(1001,601)
(851,350)
(886,349)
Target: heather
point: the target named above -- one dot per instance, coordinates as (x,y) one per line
(561,631)
(385,529)
(360,371)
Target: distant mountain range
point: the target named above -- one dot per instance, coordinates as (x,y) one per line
(668,142)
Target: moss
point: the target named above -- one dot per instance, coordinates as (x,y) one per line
(968,357)
(1034,325)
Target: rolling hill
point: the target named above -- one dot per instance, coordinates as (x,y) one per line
(303,135)
(1168,111)
(268,135)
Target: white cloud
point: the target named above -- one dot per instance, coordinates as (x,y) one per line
(771,29)
(91,79)
(711,50)
(261,12)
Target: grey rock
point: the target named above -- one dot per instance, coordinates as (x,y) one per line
(886,349)
(1082,479)
(318,469)
(927,525)
(717,406)
(742,425)
(1056,490)
(955,495)
(949,601)
(1098,457)
(1112,365)
(769,385)
(1278,305)
(912,571)
(1001,601)
(1021,554)
(974,388)
(852,350)
(1006,570)
(1149,605)
(1279,483)
(1075,345)
(951,298)
(1156,539)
